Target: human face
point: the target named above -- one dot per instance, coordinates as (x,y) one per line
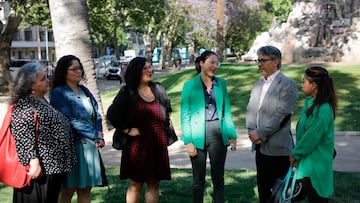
(146,73)
(41,85)
(74,72)
(266,65)
(309,88)
(209,66)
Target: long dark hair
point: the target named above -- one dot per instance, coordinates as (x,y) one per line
(61,70)
(325,85)
(203,58)
(134,72)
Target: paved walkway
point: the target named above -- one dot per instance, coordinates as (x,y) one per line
(346,143)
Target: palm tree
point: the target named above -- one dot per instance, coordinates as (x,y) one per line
(70,22)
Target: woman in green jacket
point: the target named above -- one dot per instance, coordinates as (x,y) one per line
(207,125)
(313,152)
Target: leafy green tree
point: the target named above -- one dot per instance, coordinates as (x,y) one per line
(173,29)
(18,10)
(244,23)
(279,8)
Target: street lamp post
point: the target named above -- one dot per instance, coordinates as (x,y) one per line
(47,43)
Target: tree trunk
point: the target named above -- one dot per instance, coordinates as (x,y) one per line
(70,22)
(6,36)
(220,29)
(148,46)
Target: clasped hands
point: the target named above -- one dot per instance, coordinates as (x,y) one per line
(254,137)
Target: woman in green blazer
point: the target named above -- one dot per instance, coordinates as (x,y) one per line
(207,125)
(313,152)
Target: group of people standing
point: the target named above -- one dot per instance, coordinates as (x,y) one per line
(208,128)
(64,158)
(62,151)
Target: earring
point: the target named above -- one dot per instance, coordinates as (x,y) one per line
(32,92)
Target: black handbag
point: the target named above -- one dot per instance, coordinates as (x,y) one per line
(170,132)
(120,141)
(286,190)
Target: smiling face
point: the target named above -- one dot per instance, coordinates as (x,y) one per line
(209,66)
(266,65)
(41,85)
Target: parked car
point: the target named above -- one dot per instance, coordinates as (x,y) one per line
(113,70)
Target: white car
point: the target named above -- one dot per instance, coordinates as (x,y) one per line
(113,70)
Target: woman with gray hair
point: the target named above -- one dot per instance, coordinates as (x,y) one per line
(45,145)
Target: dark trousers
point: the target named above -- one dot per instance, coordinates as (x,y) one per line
(309,191)
(269,168)
(217,155)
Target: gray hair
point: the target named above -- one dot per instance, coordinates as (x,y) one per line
(25,78)
(271,51)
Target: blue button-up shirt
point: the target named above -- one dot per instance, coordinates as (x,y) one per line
(210,103)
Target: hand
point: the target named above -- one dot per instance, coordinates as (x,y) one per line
(254,137)
(134,132)
(191,150)
(292,161)
(100,143)
(233,144)
(35,168)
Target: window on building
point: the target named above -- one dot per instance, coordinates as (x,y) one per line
(43,36)
(28,35)
(16,36)
(32,54)
(50,36)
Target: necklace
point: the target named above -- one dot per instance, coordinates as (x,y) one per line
(145,96)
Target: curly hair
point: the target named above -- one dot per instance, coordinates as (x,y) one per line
(24,80)
(61,70)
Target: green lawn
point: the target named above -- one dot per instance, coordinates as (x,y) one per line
(240,187)
(240,79)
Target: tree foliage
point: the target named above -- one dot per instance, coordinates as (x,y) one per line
(244,23)
(38,14)
(279,8)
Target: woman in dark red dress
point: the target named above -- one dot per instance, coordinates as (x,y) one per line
(139,110)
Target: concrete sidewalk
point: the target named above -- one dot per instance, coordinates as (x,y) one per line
(346,143)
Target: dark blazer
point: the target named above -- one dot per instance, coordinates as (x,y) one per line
(274,115)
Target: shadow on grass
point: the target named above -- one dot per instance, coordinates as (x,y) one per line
(240,187)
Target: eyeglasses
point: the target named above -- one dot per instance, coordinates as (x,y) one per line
(262,61)
(78,68)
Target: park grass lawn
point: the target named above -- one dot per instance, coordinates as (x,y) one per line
(240,187)
(240,79)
